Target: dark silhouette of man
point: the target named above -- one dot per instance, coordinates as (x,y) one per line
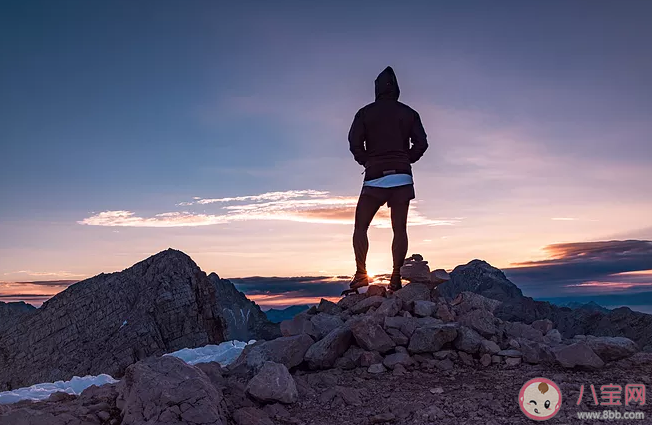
(379,140)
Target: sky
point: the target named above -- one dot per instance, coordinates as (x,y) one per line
(220,129)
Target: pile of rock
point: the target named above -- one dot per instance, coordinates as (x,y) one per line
(416,269)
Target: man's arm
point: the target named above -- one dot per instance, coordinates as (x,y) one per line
(356,139)
(418,138)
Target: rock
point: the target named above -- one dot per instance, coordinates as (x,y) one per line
(445,364)
(371,336)
(496,359)
(345,363)
(398,337)
(382,418)
(466,358)
(444,313)
(578,354)
(513,361)
(489,347)
(424,308)
(299,324)
(322,354)
(276,410)
(611,348)
(251,416)
(366,304)
(521,330)
(273,384)
(413,292)
(552,337)
(514,344)
(544,325)
(390,307)
(376,290)
(399,370)
(351,300)
(426,321)
(510,353)
(534,352)
(60,396)
(368,358)
(436,390)
(432,338)
(479,320)
(467,301)
(353,354)
(324,323)
(376,368)
(485,360)
(398,358)
(153,390)
(439,276)
(415,270)
(467,340)
(444,354)
(328,307)
(289,351)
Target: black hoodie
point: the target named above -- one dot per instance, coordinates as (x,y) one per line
(381,132)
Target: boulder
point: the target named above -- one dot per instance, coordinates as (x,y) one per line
(521,330)
(369,358)
(398,337)
(390,307)
(374,290)
(394,359)
(578,354)
(544,325)
(413,292)
(439,276)
(431,338)
(467,301)
(371,336)
(328,307)
(467,340)
(534,352)
(444,313)
(489,347)
(273,384)
(299,324)
(513,361)
(376,368)
(351,300)
(322,354)
(415,269)
(424,308)
(167,390)
(485,360)
(510,353)
(553,337)
(251,416)
(289,351)
(366,304)
(479,320)
(611,348)
(324,323)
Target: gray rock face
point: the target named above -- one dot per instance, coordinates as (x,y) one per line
(328,307)
(166,390)
(544,325)
(534,352)
(467,301)
(350,300)
(397,358)
(243,318)
(366,304)
(479,277)
(521,330)
(390,307)
(299,324)
(371,336)
(431,338)
(273,384)
(167,302)
(415,269)
(323,354)
(288,351)
(611,348)
(578,354)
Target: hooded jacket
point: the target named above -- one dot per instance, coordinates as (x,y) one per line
(381,132)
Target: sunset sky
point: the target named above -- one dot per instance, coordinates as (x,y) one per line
(220,129)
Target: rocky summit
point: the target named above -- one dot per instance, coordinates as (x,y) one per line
(110,321)
(411,357)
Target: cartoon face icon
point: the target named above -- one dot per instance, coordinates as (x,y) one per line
(540,399)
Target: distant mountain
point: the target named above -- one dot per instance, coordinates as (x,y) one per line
(589,319)
(244,318)
(277,315)
(105,323)
(10,313)
(590,306)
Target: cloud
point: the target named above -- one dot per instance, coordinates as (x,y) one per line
(584,267)
(564,219)
(306,206)
(33,273)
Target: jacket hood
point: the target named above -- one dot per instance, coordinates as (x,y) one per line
(386,85)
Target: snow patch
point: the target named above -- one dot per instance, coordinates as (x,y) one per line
(42,391)
(224,353)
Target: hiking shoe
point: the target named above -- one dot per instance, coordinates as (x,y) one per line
(359,280)
(395,283)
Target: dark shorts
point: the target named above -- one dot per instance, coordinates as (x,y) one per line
(391,195)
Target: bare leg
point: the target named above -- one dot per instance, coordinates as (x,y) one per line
(399,214)
(364,212)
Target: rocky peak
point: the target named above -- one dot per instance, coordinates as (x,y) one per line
(480,277)
(10,313)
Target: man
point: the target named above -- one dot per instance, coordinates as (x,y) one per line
(379,140)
